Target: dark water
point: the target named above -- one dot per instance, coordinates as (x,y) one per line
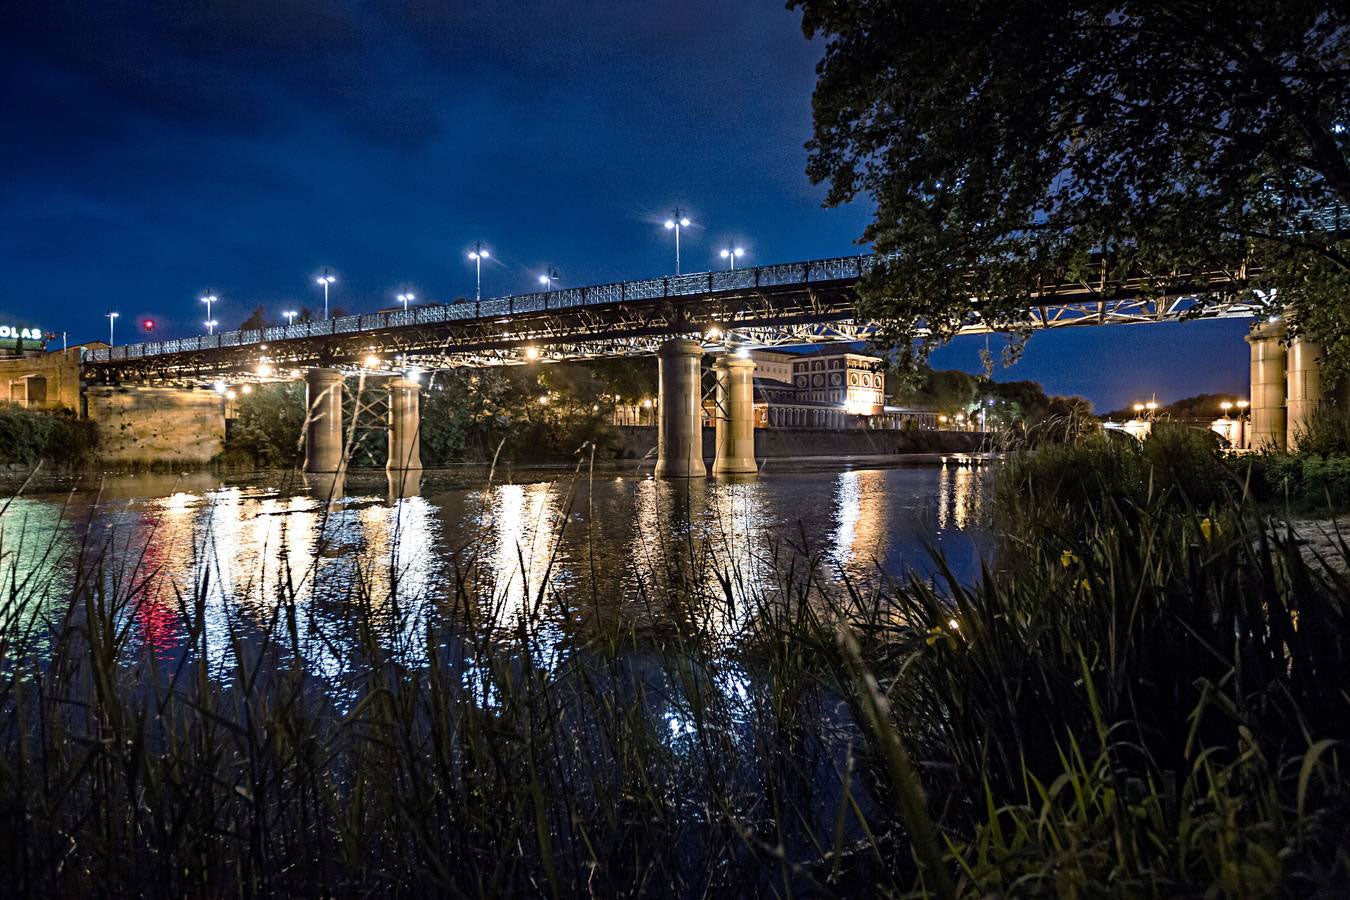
(600,546)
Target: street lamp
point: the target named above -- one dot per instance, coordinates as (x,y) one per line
(730,254)
(679,221)
(290,315)
(405,298)
(548,278)
(208,300)
(112,320)
(325,279)
(478,254)
(1226,406)
(211,326)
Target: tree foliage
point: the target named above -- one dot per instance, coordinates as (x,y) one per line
(1013,144)
(256,319)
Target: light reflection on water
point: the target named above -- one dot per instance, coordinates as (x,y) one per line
(238,546)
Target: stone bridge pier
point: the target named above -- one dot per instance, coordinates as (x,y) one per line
(1286,386)
(680,413)
(735,441)
(679,419)
(404,466)
(324,453)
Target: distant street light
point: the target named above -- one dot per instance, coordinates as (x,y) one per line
(325,279)
(290,315)
(208,300)
(730,254)
(1226,406)
(478,254)
(405,299)
(211,326)
(548,278)
(679,221)
(112,320)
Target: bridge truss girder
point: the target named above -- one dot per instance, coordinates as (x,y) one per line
(780,316)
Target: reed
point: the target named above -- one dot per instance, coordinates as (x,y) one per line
(1147,697)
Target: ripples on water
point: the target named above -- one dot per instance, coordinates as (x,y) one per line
(556,551)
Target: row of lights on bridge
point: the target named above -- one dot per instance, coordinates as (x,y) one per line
(548,280)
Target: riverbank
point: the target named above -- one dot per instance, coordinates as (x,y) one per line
(639,441)
(589,687)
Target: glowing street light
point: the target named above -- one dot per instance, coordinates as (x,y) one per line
(679,221)
(548,278)
(730,254)
(1226,406)
(405,299)
(208,300)
(478,254)
(325,280)
(290,315)
(112,320)
(531,353)
(211,326)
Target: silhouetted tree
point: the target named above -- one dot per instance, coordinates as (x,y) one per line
(258,319)
(1006,145)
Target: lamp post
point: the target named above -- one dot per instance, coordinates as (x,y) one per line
(290,315)
(548,278)
(211,326)
(1227,407)
(405,299)
(679,221)
(730,254)
(478,254)
(112,320)
(325,279)
(208,300)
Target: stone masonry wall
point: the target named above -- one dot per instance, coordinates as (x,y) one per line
(156,426)
(59,370)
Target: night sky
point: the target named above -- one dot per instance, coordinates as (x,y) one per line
(238,147)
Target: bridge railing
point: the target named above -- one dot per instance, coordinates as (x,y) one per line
(694,284)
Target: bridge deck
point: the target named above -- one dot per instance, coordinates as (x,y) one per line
(777,305)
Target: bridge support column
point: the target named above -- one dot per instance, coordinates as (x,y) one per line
(323,420)
(405,426)
(1304,372)
(679,444)
(735,417)
(1268,386)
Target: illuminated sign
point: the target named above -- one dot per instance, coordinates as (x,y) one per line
(13,336)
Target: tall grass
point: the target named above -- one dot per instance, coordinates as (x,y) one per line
(1148,697)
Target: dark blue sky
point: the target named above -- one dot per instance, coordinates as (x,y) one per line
(156,151)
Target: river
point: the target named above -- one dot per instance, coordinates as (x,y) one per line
(523,545)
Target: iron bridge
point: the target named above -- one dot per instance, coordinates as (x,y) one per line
(783,305)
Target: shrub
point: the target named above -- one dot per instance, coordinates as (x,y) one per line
(58,437)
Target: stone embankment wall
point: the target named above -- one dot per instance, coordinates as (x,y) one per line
(156,426)
(42,380)
(780,443)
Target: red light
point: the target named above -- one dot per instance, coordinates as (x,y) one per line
(148,324)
